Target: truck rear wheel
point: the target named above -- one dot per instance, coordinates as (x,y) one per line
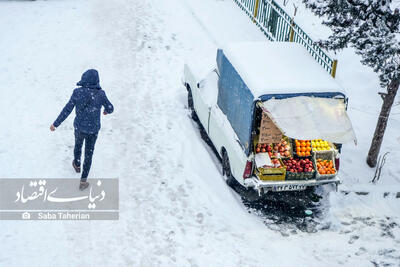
(226,169)
(190,105)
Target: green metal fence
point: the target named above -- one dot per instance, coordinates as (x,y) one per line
(278,26)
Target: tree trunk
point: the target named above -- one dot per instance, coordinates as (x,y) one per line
(376,143)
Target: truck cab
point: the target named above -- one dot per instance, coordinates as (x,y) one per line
(256,84)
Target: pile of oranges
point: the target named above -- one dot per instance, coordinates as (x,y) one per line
(325,167)
(303,148)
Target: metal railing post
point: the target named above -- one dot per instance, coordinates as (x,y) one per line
(292,24)
(256,10)
(291,32)
(334,66)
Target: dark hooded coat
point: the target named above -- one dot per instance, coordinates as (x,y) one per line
(87,100)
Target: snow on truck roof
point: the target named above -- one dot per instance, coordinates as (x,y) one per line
(278,68)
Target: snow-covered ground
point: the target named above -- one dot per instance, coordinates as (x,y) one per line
(175,209)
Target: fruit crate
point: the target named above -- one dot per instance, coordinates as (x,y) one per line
(302,175)
(295,152)
(324,155)
(271,174)
(288,141)
(332,147)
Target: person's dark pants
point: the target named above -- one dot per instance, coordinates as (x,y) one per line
(90,141)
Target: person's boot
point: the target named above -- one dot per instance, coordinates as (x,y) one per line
(83,185)
(77,168)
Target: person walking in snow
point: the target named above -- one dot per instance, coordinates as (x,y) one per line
(87,99)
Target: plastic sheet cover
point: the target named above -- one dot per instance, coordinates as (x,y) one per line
(307,118)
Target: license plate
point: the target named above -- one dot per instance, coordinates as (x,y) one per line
(288,187)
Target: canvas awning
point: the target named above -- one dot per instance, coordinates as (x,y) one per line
(308,118)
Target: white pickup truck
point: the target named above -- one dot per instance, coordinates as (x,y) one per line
(248,75)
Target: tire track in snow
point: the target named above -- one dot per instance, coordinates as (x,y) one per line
(200,23)
(175,208)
